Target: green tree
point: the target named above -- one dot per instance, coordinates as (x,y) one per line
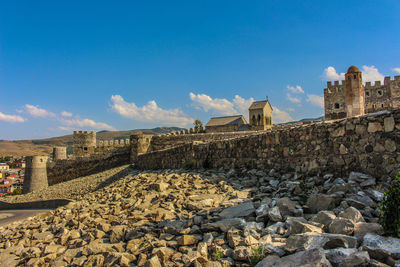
(390,209)
(198,126)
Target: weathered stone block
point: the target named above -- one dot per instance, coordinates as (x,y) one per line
(388,124)
(374,127)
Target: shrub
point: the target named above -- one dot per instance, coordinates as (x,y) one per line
(217,255)
(390,209)
(257,255)
(17,191)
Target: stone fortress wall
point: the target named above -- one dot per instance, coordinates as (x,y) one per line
(368,143)
(377,97)
(64,170)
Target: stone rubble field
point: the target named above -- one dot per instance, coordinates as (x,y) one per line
(205,218)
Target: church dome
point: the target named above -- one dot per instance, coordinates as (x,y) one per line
(353,69)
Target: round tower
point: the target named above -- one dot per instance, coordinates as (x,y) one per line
(354,92)
(59,152)
(35,174)
(84,143)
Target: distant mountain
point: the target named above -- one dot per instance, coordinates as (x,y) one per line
(40,146)
(322,118)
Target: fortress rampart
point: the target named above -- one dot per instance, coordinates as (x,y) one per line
(65,170)
(368,143)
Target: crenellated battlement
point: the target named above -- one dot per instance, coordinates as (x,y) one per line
(341,83)
(112,143)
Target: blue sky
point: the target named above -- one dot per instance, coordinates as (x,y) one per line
(68,65)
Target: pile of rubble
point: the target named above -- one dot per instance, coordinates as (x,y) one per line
(210,218)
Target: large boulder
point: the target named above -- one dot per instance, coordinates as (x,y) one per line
(341,226)
(390,244)
(361,178)
(313,257)
(287,207)
(308,241)
(324,217)
(275,215)
(224,225)
(359,258)
(337,255)
(363,228)
(320,202)
(241,210)
(352,214)
(297,227)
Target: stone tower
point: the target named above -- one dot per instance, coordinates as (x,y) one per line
(59,153)
(260,115)
(355,102)
(35,174)
(139,144)
(84,143)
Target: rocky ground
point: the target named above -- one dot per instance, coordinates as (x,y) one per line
(205,218)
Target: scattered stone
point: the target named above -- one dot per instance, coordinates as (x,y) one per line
(312,257)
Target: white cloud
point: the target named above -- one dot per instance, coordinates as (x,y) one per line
(65,128)
(371,74)
(293,99)
(149,112)
(68,124)
(217,105)
(330,74)
(396,70)
(242,105)
(295,89)
(280,116)
(86,123)
(316,100)
(66,114)
(290,109)
(11,118)
(35,111)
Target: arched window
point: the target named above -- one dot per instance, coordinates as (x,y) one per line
(258,119)
(254,121)
(337,105)
(355,76)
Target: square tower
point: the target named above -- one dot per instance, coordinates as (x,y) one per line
(260,115)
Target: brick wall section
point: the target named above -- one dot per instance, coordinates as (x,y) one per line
(65,170)
(369,144)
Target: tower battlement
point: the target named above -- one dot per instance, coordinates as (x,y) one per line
(84,143)
(350,97)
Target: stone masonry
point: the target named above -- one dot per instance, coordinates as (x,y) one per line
(351,98)
(367,143)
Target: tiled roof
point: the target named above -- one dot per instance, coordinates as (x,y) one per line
(259,104)
(218,121)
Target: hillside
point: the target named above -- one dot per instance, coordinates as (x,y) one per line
(40,146)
